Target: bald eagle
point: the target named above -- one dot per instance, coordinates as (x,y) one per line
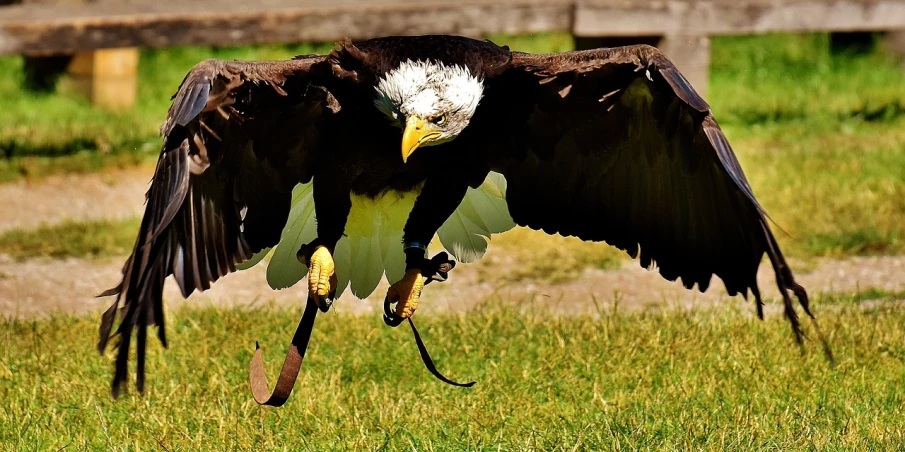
(347,165)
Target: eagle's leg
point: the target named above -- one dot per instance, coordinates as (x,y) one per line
(437,201)
(331,205)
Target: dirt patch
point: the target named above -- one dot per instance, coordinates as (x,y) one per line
(109,194)
(40,287)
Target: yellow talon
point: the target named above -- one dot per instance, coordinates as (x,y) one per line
(321,275)
(406,292)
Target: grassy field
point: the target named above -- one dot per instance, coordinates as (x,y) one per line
(100,238)
(653,379)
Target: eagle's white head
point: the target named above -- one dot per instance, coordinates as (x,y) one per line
(431,102)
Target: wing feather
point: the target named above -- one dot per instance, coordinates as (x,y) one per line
(284,269)
(615,145)
(369,251)
(215,198)
(482,212)
(367,265)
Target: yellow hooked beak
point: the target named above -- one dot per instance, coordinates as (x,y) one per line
(417,132)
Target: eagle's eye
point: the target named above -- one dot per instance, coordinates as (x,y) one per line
(439,119)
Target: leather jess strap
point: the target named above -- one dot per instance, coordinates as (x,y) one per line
(429,363)
(291,365)
(293,362)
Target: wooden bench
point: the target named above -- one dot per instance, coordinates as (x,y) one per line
(105,34)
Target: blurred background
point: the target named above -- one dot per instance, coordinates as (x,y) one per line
(811,94)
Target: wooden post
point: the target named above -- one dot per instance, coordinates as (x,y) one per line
(690,53)
(108,77)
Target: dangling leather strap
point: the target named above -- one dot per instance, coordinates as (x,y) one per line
(429,363)
(291,365)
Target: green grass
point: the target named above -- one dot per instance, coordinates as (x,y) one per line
(657,379)
(837,189)
(72,239)
(873,295)
(776,78)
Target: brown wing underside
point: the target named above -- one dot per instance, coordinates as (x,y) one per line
(615,145)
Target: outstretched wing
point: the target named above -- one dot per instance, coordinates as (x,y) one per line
(237,138)
(615,145)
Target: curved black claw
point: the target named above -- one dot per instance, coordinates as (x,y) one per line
(325,304)
(389,314)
